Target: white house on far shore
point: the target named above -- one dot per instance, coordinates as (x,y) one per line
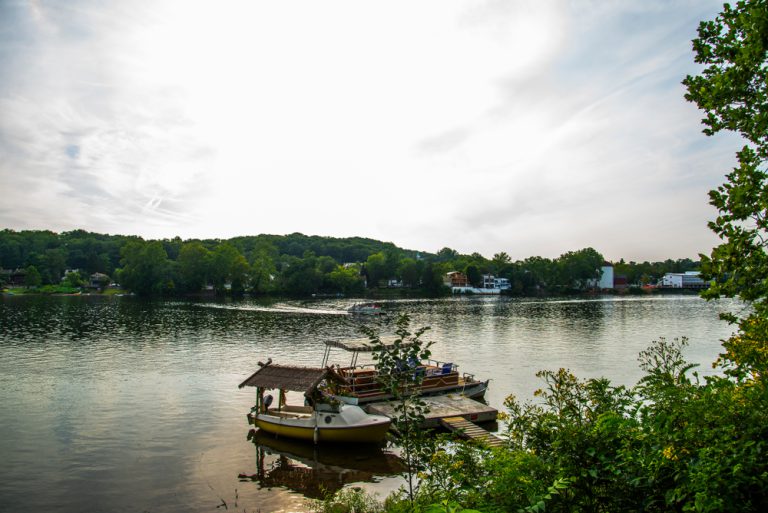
(459,284)
(686,280)
(606,276)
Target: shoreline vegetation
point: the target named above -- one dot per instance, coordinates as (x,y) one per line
(374,295)
(293,266)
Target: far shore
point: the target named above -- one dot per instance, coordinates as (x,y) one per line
(372,295)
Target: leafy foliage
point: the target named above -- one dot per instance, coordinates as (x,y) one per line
(669,444)
(146,268)
(299,265)
(732,90)
(347,500)
(400,376)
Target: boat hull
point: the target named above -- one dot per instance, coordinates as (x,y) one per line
(325,427)
(475,390)
(365,434)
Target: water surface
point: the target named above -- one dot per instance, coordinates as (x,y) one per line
(121,404)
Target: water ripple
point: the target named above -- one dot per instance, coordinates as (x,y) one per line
(120,404)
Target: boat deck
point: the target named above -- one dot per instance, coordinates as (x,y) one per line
(363,383)
(288,414)
(442,407)
(289,411)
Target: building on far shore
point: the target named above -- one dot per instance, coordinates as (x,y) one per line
(492,282)
(13,278)
(459,284)
(456,279)
(686,280)
(606,276)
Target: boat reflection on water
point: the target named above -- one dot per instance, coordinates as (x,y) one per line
(316,470)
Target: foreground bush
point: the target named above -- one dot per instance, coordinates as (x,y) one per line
(670,444)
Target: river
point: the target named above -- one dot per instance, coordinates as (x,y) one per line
(121,404)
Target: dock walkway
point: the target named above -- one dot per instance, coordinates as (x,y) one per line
(441,407)
(466,429)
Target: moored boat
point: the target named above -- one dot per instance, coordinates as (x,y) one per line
(321,419)
(361,384)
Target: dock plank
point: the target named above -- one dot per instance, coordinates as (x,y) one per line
(443,406)
(466,429)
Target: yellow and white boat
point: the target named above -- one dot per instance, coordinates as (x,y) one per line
(320,419)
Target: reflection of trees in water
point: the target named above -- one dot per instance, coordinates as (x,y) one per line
(314,470)
(577,317)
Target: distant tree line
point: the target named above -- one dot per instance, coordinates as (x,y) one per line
(294,265)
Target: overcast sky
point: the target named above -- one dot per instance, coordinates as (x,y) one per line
(531,127)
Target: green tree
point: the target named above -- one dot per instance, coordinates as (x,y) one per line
(578,269)
(542,271)
(500,262)
(346,280)
(376,267)
(409,271)
(55,262)
(33,277)
(432,279)
(228,266)
(73,280)
(262,257)
(193,262)
(447,254)
(326,264)
(392,260)
(300,276)
(399,374)
(146,268)
(732,90)
(263,272)
(473,275)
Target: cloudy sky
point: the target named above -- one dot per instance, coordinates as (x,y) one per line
(531,127)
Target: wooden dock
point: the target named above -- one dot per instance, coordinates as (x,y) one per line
(470,431)
(442,407)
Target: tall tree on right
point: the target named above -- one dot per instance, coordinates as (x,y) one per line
(732,90)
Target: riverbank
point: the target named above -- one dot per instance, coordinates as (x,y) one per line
(377,294)
(52,290)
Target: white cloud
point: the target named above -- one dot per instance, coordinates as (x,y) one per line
(526,127)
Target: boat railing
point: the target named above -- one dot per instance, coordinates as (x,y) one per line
(362,380)
(286,413)
(438,367)
(293,408)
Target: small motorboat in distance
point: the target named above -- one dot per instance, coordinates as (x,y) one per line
(366,309)
(322,418)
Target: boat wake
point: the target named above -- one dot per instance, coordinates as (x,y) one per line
(284,309)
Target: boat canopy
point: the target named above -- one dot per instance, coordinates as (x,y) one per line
(290,377)
(362,345)
(357,346)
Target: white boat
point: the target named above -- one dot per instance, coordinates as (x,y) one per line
(361,385)
(366,309)
(321,419)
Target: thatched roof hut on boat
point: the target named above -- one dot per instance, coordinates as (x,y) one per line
(290,377)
